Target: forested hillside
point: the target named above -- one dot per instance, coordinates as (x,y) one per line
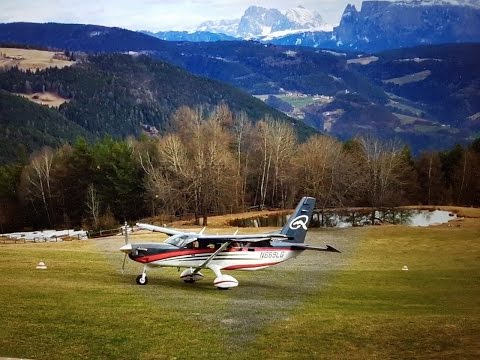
(121,95)
(79,37)
(26,126)
(450,89)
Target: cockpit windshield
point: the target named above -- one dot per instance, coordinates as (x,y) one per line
(179,240)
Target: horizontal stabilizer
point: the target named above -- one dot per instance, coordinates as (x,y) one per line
(328,248)
(302,246)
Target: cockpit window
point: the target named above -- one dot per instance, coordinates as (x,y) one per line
(178,240)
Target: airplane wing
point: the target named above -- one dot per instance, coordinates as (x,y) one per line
(243,238)
(200,236)
(163,230)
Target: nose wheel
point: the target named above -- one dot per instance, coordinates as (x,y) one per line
(142,278)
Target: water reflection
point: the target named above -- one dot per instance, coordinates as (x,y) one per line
(348,218)
(427,218)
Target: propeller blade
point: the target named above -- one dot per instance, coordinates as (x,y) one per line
(124,260)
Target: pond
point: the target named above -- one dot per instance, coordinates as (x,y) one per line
(347,218)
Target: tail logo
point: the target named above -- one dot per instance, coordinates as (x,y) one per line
(299,222)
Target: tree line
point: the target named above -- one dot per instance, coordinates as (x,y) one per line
(214,162)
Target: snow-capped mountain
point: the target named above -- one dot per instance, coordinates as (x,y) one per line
(258,22)
(196,36)
(227,27)
(302,18)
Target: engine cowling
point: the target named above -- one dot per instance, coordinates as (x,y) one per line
(225,282)
(188,276)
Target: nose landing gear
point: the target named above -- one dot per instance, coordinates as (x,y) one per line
(142,278)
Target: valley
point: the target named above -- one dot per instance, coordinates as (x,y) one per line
(328,92)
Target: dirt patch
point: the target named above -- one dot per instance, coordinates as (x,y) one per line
(45,98)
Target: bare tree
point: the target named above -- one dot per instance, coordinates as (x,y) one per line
(466,184)
(36,181)
(166,166)
(275,146)
(93,205)
(242,129)
(430,178)
(283,144)
(327,172)
(382,163)
(193,169)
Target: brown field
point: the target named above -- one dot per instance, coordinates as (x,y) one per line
(362,60)
(27,59)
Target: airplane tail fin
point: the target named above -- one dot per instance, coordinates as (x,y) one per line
(297,224)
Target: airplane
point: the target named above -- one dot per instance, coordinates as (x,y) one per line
(197,251)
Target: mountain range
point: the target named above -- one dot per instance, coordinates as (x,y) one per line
(256,23)
(378,25)
(381,25)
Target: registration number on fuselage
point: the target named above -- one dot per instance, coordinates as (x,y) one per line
(272,254)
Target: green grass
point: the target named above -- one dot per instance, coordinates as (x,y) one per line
(375,310)
(358,304)
(298,102)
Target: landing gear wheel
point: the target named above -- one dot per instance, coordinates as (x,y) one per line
(142,279)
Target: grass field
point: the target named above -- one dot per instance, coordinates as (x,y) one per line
(407,79)
(357,305)
(28,59)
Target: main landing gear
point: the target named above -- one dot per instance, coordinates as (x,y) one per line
(189,276)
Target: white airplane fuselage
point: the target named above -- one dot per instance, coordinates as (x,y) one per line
(241,258)
(214,258)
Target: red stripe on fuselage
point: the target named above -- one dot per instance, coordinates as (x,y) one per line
(168,254)
(173,253)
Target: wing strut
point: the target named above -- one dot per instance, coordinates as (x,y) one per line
(210,258)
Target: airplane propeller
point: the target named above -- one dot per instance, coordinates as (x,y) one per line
(125,228)
(123,265)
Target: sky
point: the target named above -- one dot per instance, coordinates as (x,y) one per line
(154,15)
